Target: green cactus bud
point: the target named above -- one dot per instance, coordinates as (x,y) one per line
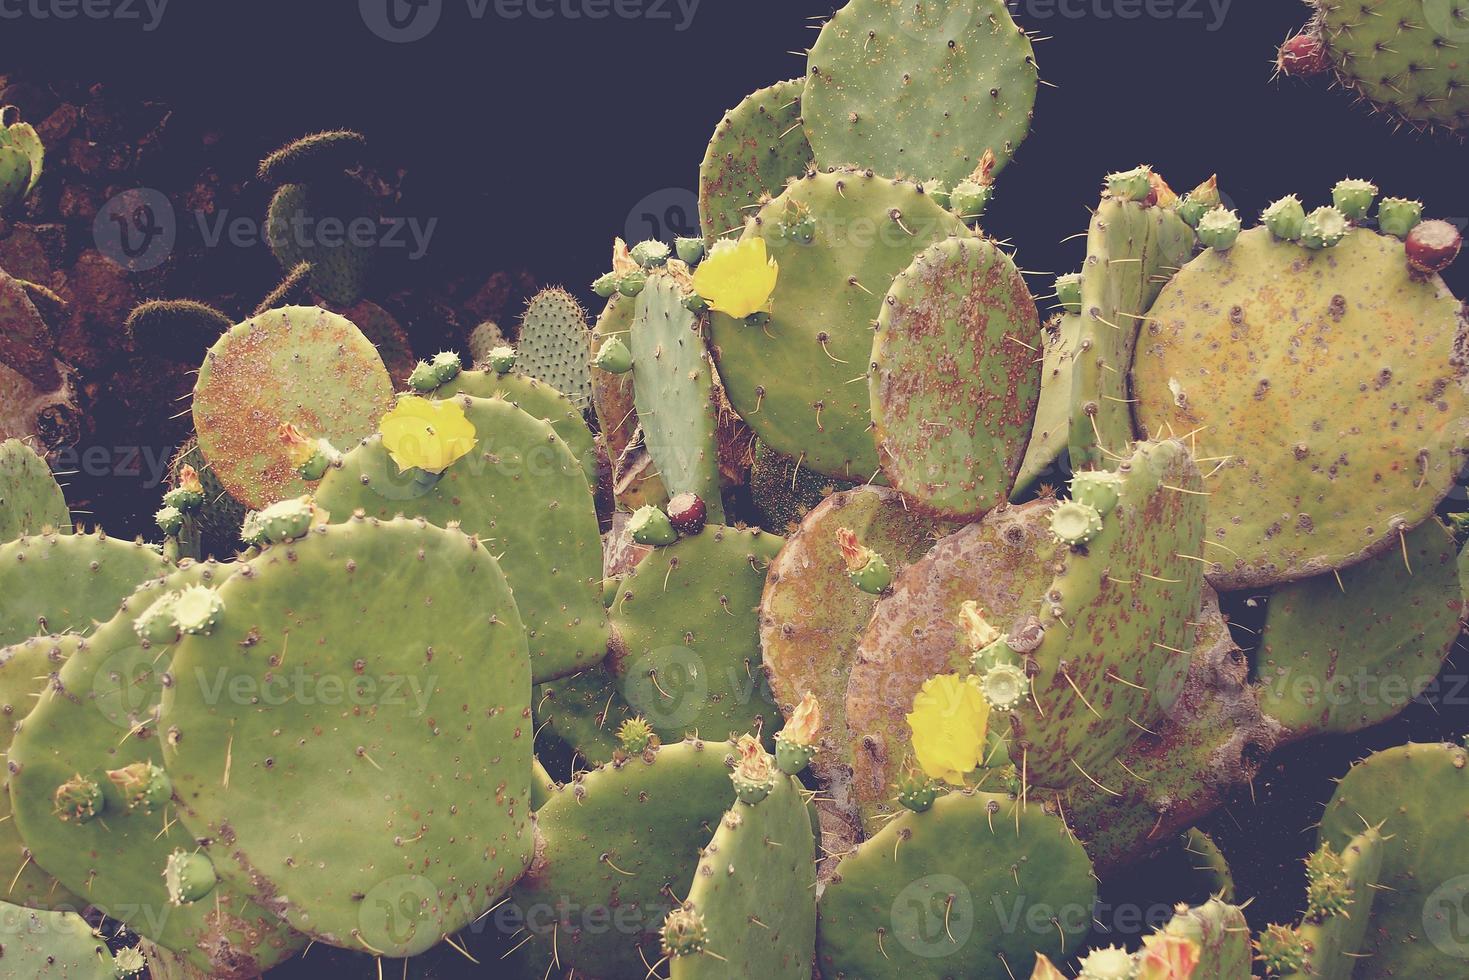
(1004,686)
(424,377)
(1108,963)
(78,800)
(1398,216)
(606,285)
(287,520)
(940,192)
(1131,185)
(197,610)
(1325,228)
(144,787)
(636,735)
(917,793)
(1327,895)
(446,366)
(1192,210)
(188,877)
(323,457)
(696,303)
(502,360)
(1074,523)
(790,756)
(684,933)
(650,254)
(1354,198)
(690,250)
(874,576)
(795,223)
(614,357)
(129,962)
(170,520)
(1219,229)
(1282,950)
(1286,218)
(632,283)
(651,526)
(1097,489)
(158,624)
(970,198)
(1068,292)
(184,499)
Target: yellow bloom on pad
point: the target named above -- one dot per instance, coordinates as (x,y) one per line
(737,278)
(949,722)
(427,435)
(805,722)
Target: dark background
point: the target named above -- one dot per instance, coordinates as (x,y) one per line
(534,142)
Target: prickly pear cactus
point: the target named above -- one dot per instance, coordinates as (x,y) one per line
(1333,645)
(1330,941)
(340,271)
(618,842)
(758,146)
(553,344)
(525,496)
(317,156)
(930,894)
(65,583)
(30,499)
(1051,432)
(919,90)
(954,379)
(298,365)
(686,652)
(220,517)
(53,946)
(445,681)
(1324,389)
(1220,934)
(840,240)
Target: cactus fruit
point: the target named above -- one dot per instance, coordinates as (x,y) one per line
(318,156)
(758,146)
(1286,219)
(339,268)
(22,157)
(1398,216)
(954,379)
(143,786)
(63,583)
(30,499)
(910,902)
(789,378)
(1353,198)
(300,365)
(884,77)
(1130,185)
(1432,246)
(650,254)
(553,344)
(1074,523)
(866,569)
(687,513)
(1219,229)
(448,633)
(1251,350)
(755,775)
(1324,228)
(189,877)
(56,946)
(613,357)
(78,800)
(1341,653)
(650,526)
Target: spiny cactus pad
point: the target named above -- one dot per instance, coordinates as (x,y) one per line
(30,499)
(758,146)
(919,90)
(553,344)
(687,645)
(68,583)
(340,269)
(840,240)
(618,843)
(52,946)
(954,379)
(1341,653)
(977,883)
(300,365)
(1335,943)
(409,648)
(1326,388)
(524,494)
(784,492)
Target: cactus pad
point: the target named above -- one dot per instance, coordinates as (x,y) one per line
(1335,942)
(53,946)
(68,583)
(840,240)
(954,379)
(417,852)
(758,146)
(1329,386)
(339,270)
(784,492)
(920,90)
(553,344)
(612,394)
(30,499)
(301,365)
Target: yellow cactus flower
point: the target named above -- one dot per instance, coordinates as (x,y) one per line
(427,435)
(737,278)
(755,764)
(805,722)
(1169,957)
(979,630)
(298,448)
(949,721)
(189,479)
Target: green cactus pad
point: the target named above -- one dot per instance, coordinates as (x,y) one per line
(25,670)
(617,844)
(1326,389)
(975,887)
(30,499)
(583,713)
(812,618)
(1051,432)
(52,946)
(525,495)
(15,176)
(758,146)
(1002,564)
(553,344)
(954,379)
(301,365)
(1131,251)
(1342,653)
(1417,795)
(410,649)
(920,91)
(1335,944)
(340,270)
(68,583)
(794,379)
(753,930)
(612,394)
(687,646)
(673,386)
(100,714)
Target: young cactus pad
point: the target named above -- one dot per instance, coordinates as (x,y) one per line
(64,583)
(553,344)
(1335,941)
(954,378)
(300,365)
(758,146)
(30,499)
(339,271)
(53,946)
(922,89)
(408,642)
(1328,386)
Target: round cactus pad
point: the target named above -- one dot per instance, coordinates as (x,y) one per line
(840,240)
(30,499)
(301,365)
(365,652)
(758,146)
(954,379)
(920,89)
(1326,388)
(68,583)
